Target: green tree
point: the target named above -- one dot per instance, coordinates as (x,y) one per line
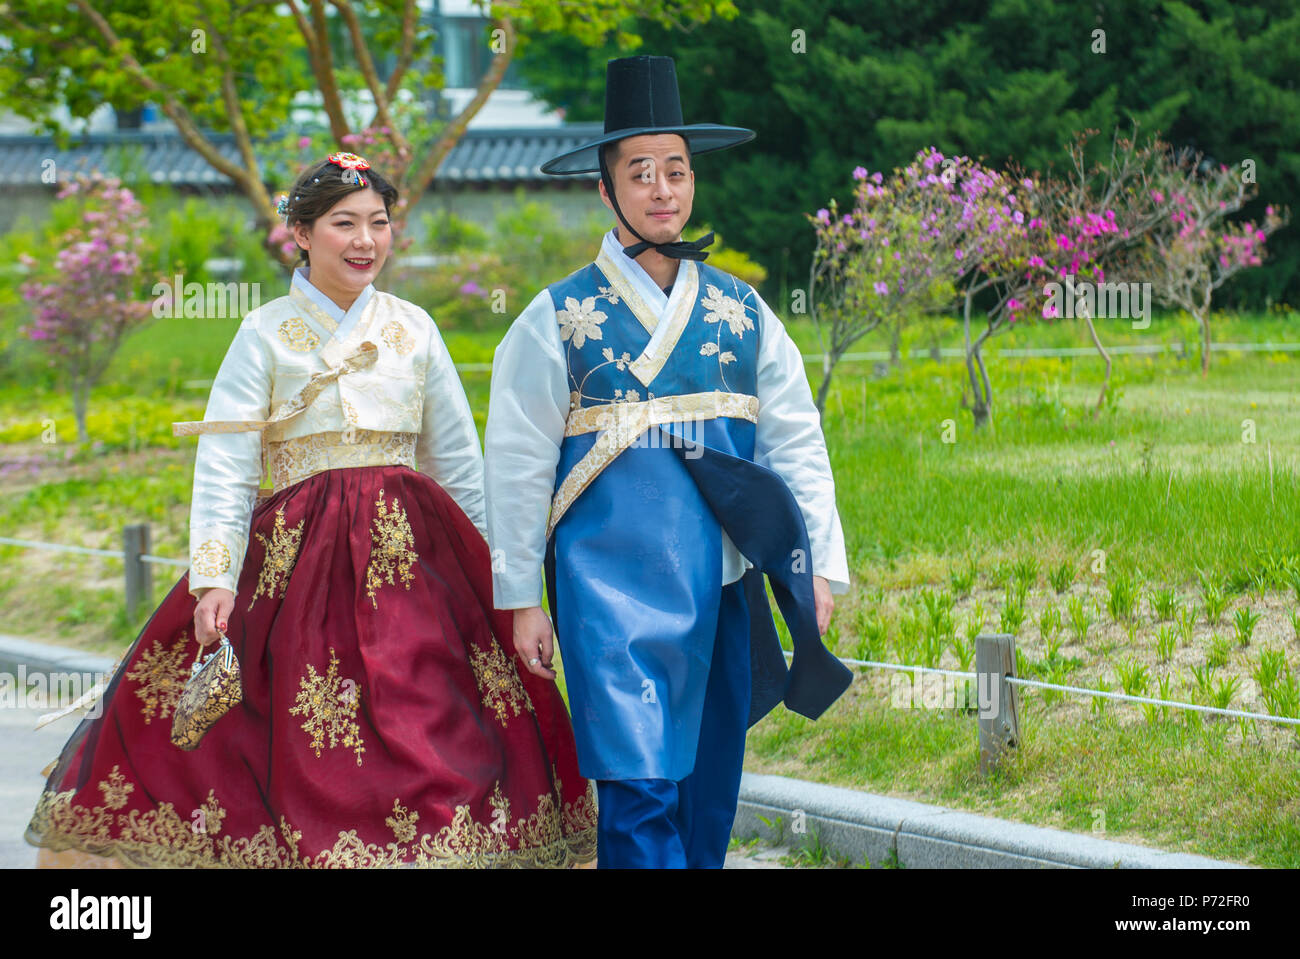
(833,84)
(236,67)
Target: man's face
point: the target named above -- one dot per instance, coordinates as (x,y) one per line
(654,182)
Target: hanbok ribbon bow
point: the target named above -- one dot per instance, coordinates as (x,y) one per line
(363,358)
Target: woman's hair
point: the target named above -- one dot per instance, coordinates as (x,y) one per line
(320,187)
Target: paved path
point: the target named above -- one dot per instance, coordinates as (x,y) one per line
(24,752)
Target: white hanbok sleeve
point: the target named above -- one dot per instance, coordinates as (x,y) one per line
(228,466)
(448,448)
(525,427)
(789,441)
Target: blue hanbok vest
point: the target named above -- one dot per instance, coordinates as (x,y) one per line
(658,459)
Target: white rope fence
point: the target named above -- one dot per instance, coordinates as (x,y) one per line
(91,551)
(1081,690)
(1046,351)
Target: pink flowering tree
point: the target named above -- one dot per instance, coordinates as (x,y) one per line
(85,300)
(890,257)
(1073,230)
(1001,231)
(1196,250)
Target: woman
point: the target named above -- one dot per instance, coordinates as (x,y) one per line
(383,721)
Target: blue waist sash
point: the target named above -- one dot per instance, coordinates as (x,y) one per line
(635,599)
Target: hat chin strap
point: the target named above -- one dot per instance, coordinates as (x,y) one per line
(678,250)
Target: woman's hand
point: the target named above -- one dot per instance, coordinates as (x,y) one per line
(534,639)
(212,615)
(825,604)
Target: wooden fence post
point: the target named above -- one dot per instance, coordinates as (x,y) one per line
(139,584)
(999,706)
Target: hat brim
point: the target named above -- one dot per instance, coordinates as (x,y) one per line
(700,137)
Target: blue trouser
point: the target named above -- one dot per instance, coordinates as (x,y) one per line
(659,823)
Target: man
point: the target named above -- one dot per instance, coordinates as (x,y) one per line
(658,407)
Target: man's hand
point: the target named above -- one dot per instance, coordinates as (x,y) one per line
(534,640)
(212,614)
(825,605)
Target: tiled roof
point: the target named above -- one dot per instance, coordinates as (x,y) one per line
(481,157)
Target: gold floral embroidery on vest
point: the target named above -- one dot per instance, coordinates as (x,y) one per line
(329,705)
(498,681)
(161,675)
(212,558)
(555,836)
(116,789)
(721,307)
(349,412)
(392,550)
(280,557)
(396,336)
(297,335)
(580,321)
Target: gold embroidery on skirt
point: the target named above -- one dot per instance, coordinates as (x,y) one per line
(329,710)
(116,789)
(402,822)
(281,555)
(392,548)
(161,676)
(552,837)
(498,681)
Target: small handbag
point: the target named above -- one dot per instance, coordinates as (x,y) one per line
(212,689)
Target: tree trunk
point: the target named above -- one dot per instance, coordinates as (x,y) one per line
(984,401)
(828,366)
(1105,383)
(895,336)
(1204,321)
(80,400)
(980,401)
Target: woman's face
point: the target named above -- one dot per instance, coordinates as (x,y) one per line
(348,245)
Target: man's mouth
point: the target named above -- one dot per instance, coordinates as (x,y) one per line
(663,214)
(359,263)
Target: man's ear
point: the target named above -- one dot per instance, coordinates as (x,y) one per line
(604,196)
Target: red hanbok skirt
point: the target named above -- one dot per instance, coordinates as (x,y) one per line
(386,720)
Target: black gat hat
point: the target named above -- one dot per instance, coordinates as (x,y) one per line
(641,98)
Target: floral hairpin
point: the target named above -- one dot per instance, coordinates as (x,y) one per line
(352,166)
(282,205)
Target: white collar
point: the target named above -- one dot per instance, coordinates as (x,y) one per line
(644,283)
(345,320)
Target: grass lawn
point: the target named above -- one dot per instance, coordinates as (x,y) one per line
(1151,548)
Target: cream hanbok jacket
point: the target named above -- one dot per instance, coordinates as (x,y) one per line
(293,398)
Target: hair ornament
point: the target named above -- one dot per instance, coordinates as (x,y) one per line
(352,166)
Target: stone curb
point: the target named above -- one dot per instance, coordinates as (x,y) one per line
(46,657)
(915,835)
